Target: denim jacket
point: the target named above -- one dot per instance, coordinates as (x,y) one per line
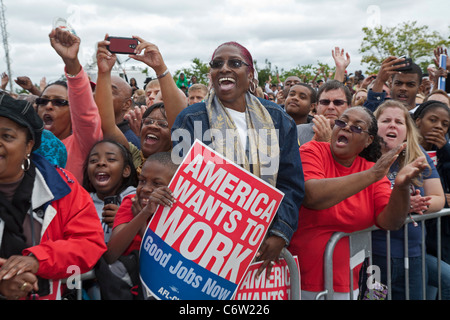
(193,122)
(374,99)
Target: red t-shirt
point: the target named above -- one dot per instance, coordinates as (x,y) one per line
(125,215)
(315,227)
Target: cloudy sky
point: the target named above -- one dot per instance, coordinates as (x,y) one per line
(286,32)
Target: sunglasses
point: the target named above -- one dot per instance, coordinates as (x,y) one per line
(354,129)
(232,63)
(160,123)
(337,102)
(55,102)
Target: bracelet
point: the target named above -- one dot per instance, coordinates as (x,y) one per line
(163,74)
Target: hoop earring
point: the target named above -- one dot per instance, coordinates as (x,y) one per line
(27,162)
(250,87)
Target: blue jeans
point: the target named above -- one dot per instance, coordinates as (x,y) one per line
(398,276)
(432,287)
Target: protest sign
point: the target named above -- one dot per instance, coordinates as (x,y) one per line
(202,246)
(276,287)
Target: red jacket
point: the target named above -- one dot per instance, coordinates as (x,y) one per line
(71,237)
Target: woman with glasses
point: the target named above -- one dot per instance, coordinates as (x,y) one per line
(346,190)
(395,126)
(68,109)
(225,122)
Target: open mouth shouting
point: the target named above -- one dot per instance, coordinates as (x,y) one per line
(102,178)
(151,139)
(226,83)
(342,140)
(391,135)
(48,121)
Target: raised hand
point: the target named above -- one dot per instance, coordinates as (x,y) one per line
(149,54)
(437,52)
(409,172)
(66,46)
(381,167)
(105,59)
(5,80)
(341,59)
(387,70)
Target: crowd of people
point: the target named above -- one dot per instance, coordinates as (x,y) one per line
(83,166)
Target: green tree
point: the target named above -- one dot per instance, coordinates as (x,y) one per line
(265,73)
(198,68)
(306,73)
(416,42)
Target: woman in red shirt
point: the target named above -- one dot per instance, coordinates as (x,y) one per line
(346,190)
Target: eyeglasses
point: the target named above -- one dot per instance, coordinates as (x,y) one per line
(232,63)
(160,123)
(55,102)
(337,102)
(343,124)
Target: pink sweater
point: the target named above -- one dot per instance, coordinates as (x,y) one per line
(86,123)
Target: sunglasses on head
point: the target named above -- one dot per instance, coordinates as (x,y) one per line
(231,63)
(343,124)
(337,102)
(55,102)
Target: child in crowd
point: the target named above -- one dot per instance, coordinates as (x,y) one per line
(109,175)
(432,118)
(300,101)
(134,214)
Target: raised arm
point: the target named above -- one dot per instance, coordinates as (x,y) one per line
(103,94)
(394,214)
(342,60)
(26,83)
(387,70)
(174,100)
(324,193)
(85,119)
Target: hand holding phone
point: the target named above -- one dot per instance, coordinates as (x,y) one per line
(408,62)
(112,199)
(122,45)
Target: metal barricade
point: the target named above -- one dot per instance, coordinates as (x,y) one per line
(293,272)
(360,246)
